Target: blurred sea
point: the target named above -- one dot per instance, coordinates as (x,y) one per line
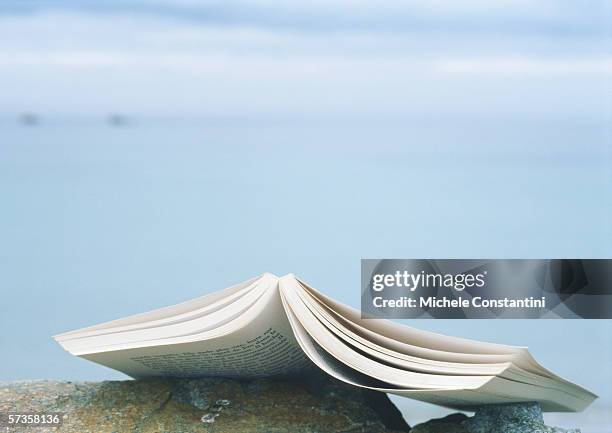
(99,220)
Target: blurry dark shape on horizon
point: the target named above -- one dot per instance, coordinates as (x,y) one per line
(118,120)
(29,119)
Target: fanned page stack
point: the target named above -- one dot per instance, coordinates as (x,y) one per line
(270,326)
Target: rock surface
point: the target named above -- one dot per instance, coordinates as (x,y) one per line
(316,404)
(312,404)
(510,418)
(449,424)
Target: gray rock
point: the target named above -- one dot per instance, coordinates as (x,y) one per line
(511,418)
(449,424)
(313,404)
(496,418)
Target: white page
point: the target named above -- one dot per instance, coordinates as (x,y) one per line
(196,313)
(170,312)
(328,363)
(263,345)
(398,359)
(505,370)
(494,391)
(450,347)
(398,377)
(199,325)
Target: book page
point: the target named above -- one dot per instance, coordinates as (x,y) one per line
(398,377)
(183,331)
(343,329)
(172,312)
(263,345)
(524,367)
(331,365)
(424,344)
(552,395)
(495,390)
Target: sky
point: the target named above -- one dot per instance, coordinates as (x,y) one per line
(245,58)
(296,137)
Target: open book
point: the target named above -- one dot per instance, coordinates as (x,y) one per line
(277,326)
